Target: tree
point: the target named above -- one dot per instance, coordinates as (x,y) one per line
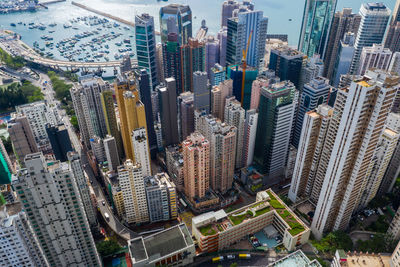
(74,122)
(334,240)
(7,144)
(380,243)
(234,264)
(108,247)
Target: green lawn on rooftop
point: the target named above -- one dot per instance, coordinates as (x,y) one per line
(207,230)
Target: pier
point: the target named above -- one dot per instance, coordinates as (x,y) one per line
(126,22)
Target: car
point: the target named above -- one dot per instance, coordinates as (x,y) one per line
(103,202)
(372,236)
(231,257)
(91,181)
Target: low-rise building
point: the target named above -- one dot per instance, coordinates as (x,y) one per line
(355,259)
(297,258)
(215,231)
(171,247)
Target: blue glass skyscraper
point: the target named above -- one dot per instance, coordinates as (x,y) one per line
(317,18)
(175,18)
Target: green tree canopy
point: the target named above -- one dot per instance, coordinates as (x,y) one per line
(108,247)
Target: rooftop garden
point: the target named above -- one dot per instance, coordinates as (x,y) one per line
(207,230)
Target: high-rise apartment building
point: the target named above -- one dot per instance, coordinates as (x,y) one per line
(358,120)
(186,114)
(107,102)
(227,11)
(174,162)
(374,19)
(378,165)
(141,150)
(394,227)
(196,166)
(111,152)
(222,139)
(201,92)
(75,164)
(168,112)
(263,80)
(288,64)
(277,107)
(20,246)
(161,197)
(145,40)
(177,19)
(219,94)
(58,219)
(21,137)
(6,167)
(343,22)
(313,94)
(39,114)
(131,182)
(393,169)
(246,24)
(193,59)
(131,111)
(392,40)
(88,108)
(375,56)
(59,141)
(317,19)
(313,69)
(97,147)
(249,136)
(313,135)
(235,116)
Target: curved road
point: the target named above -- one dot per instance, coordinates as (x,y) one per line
(113,222)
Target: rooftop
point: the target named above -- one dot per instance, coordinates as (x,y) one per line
(298,259)
(354,259)
(212,222)
(160,244)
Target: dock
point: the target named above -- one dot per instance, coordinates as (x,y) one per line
(104,14)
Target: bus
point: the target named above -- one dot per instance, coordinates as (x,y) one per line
(244,256)
(183,203)
(218,259)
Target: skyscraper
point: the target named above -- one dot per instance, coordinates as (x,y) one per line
(343,22)
(227,11)
(186,115)
(88,108)
(196,165)
(145,41)
(58,219)
(235,116)
(236,74)
(353,135)
(288,64)
(97,147)
(276,113)
(141,149)
(193,59)
(107,102)
(211,54)
(172,61)
(245,23)
(344,57)
(217,75)
(317,19)
(313,134)
(134,194)
(59,141)
(145,96)
(168,112)
(21,137)
(201,92)
(375,56)
(20,246)
(392,40)
(374,18)
(263,80)
(249,139)
(222,139)
(83,187)
(223,39)
(176,18)
(313,94)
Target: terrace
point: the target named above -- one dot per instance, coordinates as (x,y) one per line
(236,217)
